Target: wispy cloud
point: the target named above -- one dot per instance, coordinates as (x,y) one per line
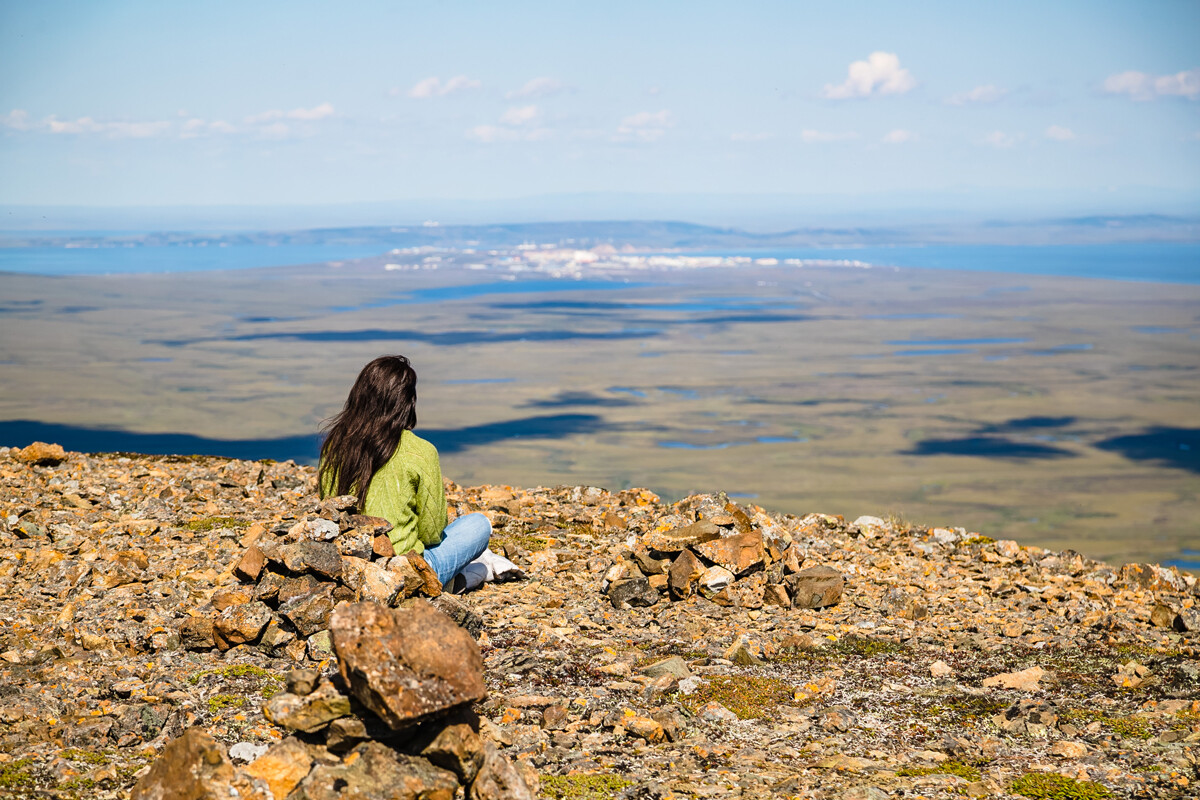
(436,87)
(519,115)
(879,74)
(1059,133)
(503,133)
(646,126)
(1142,86)
(750,137)
(809,136)
(1002,140)
(538,87)
(300,114)
(274,124)
(980,94)
(898,136)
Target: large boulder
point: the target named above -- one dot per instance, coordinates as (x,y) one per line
(407,665)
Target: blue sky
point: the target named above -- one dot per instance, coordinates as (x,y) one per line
(138,103)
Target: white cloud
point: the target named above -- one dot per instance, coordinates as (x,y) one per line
(434,87)
(1142,86)
(303,114)
(881,73)
(538,87)
(1059,133)
(899,136)
(750,137)
(501,133)
(115,130)
(16,119)
(1001,139)
(646,125)
(519,115)
(980,94)
(310,114)
(809,136)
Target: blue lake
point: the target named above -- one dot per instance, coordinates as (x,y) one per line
(1137,261)
(171,258)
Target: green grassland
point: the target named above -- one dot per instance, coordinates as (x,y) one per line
(801,358)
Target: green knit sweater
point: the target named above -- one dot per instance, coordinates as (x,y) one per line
(408,492)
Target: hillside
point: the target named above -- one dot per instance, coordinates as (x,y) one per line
(948,664)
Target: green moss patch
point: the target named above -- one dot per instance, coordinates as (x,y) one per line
(956,768)
(220,701)
(583,787)
(16,775)
(1127,727)
(204,524)
(748,696)
(1052,786)
(86,756)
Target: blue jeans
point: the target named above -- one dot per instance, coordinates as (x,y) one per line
(462,542)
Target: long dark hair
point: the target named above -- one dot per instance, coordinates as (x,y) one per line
(382,405)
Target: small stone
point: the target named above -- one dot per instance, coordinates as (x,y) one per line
(684,571)
(674,541)
(317,557)
(645,728)
(277,634)
(309,613)
(246,751)
(1162,616)
(432,586)
(250,565)
(320,646)
(713,580)
(458,748)
(226,599)
(302,681)
(498,779)
(739,653)
(240,625)
(554,717)
(380,585)
(195,633)
(1068,749)
(1187,621)
(739,554)
(1026,680)
(310,712)
(815,587)
(940,669)
(634,592)
(674,666)
(41,454)
(713,711)
(382,546)
(282,766)
(344,733)
(775,594)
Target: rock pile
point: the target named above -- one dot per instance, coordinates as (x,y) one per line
(718,552)
(294,575)
(396,722)
(954,665)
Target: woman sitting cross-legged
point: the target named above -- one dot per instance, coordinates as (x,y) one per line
(371,444)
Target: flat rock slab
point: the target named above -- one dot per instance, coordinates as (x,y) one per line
(674,541)
(739,554)
(372,771)
(407,665)
(815,587)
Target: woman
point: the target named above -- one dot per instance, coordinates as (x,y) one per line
(371,444)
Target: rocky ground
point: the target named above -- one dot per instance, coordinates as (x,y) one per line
(950,664)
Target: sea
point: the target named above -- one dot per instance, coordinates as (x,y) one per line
(1127,261)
